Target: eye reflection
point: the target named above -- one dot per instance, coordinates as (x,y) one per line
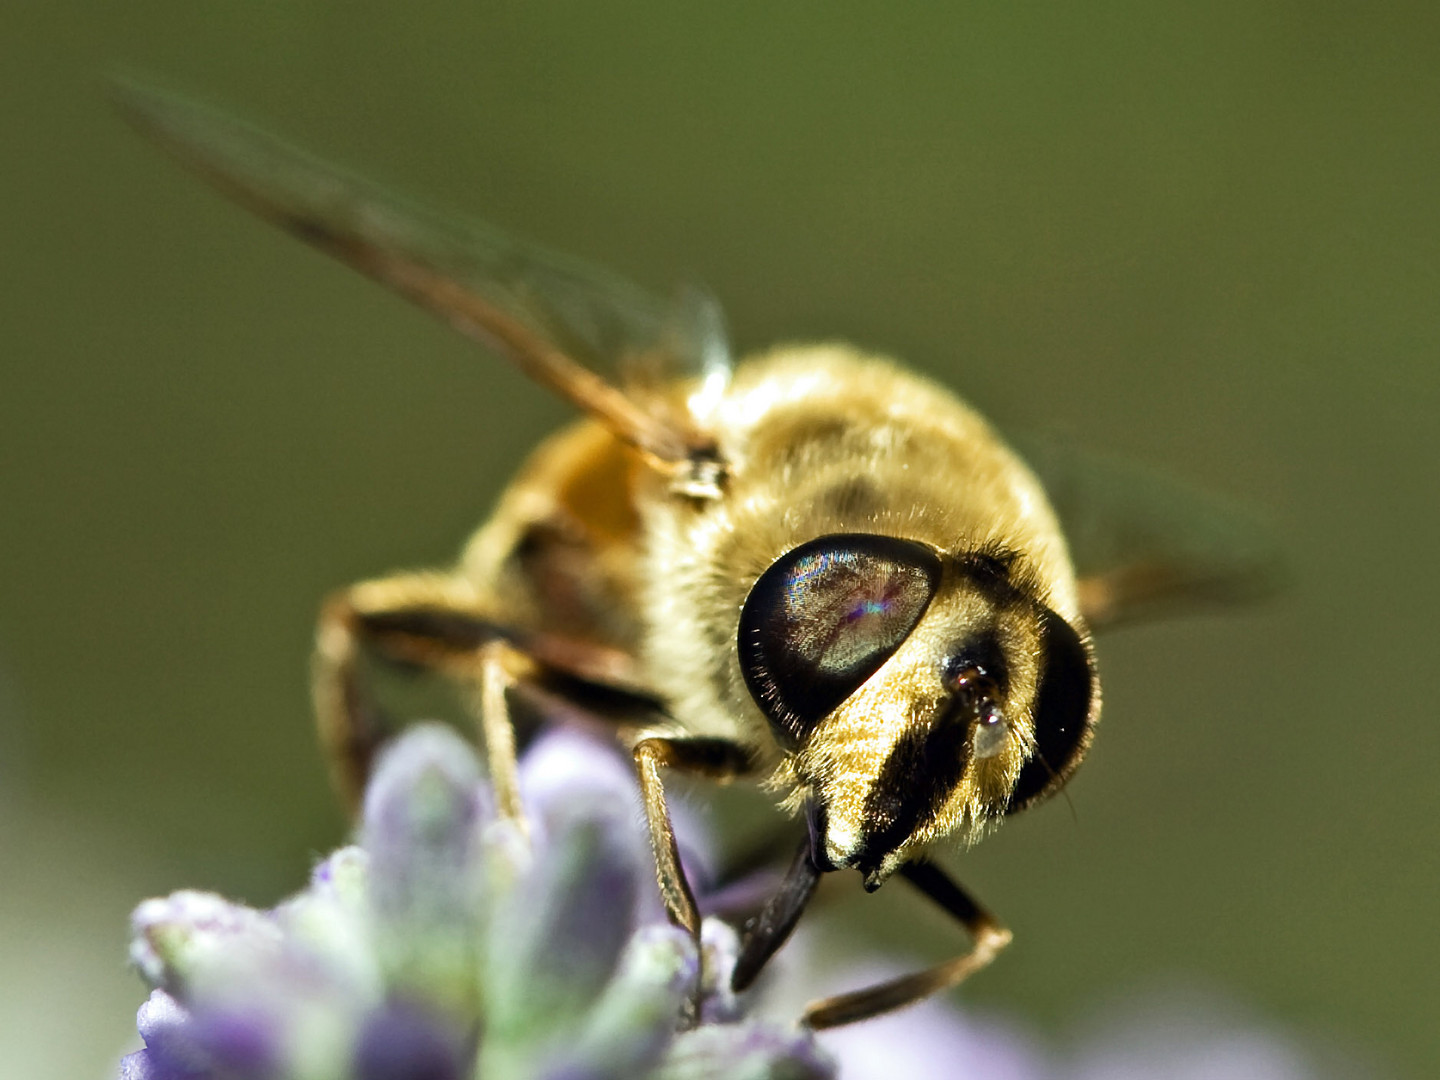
(841,606)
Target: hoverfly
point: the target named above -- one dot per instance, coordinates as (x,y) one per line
(817,569)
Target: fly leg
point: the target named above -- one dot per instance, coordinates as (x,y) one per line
(987,935)
(769,930)
(715,758)
(428,621)
(438,623)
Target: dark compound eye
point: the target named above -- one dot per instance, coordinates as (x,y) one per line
(1062,713)
(824,617)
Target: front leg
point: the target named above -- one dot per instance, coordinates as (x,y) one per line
(987,935)
(715,758)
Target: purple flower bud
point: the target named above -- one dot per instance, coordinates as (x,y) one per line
(177,938)
(402,1041)
(555,940)
(445,945)
(420,827)
(637,1014)
(242,1041)
(720,945)
(168,1053)
(421,830)
(751,1051)
(568,772)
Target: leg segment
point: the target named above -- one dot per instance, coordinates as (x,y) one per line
(709,757)
(422,620)
(715,758)
(778,918)
(674,888)
(988,935)
(437,622)
(498,662)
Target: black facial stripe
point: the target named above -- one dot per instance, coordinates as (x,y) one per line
(915,782)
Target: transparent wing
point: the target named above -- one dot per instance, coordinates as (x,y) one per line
(615,350)
(1145,545)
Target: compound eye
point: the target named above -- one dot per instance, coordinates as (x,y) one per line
(824,617)
(1063,716)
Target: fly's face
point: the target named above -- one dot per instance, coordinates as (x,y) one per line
(920,693)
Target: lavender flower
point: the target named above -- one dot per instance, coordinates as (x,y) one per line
(446,944)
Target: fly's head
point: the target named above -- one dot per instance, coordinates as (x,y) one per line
(918,693)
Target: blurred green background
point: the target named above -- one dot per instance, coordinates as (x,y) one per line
(1204,236)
